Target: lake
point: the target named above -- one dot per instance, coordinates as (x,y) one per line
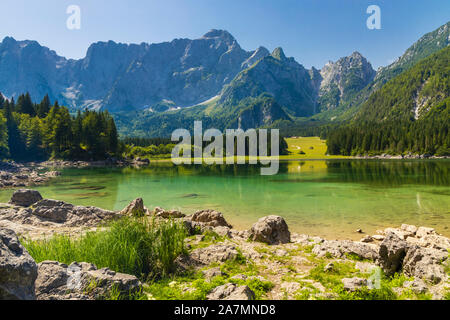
(331,198)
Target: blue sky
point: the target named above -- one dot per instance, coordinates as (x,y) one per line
(311,31)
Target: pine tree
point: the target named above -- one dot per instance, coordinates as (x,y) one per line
(4,150)
(25,105)
(2,101)
(44,107)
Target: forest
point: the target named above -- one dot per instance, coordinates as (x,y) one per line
(39,131)
(410,114)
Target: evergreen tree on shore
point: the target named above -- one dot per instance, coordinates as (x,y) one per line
(38,132)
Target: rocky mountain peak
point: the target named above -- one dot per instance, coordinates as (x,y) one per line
(221,34)
(257,55)
(278,54)
(357,55)
(341,79)
(9,40)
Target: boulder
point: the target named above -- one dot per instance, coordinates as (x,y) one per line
(81,281)
(354,284)
(378,237)
(210,218)
(402,234)
(65,214)
(53,210)
(18,271)
(271,230)
(231,291)
(409,228)
(212,273)
(305,240)
(367,239)
(223,231)
(205,256)
(135,209)
(25,197)
(290,288)
(425,263)
(167,214)
(417,286)
(423,231)
(391,253)
(341,249)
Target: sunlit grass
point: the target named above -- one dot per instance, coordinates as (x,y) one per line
(146,249)
(299,148)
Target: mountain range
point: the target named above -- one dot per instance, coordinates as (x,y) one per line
(152,89)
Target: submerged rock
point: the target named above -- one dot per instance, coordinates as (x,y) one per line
(18,271)
(271,230)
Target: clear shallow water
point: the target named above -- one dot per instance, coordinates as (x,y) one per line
(326,198)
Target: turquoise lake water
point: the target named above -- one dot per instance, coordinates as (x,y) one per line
(325,198)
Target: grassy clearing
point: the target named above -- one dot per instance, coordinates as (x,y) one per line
(135,246)
(299,148)
(304,148)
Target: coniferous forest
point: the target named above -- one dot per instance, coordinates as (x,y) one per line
(39,131)
(410,114)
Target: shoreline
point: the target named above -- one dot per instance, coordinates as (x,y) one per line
(230,262)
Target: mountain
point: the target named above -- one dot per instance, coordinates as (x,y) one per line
(27,66)
(152,88)
(210,78)
(183,72)
(427,45)
(89,80)
(288,82)
(414,94)
(343,79)
(409,115)
(121,77)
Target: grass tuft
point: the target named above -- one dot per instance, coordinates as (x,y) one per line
(146,249)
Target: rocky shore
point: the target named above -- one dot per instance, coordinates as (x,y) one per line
(408,262)
(385,156)
(15,175)
(18,175)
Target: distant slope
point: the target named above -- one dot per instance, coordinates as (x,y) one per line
(288,82)
(412,94)
(427,45)
(409,115)
(342,80)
